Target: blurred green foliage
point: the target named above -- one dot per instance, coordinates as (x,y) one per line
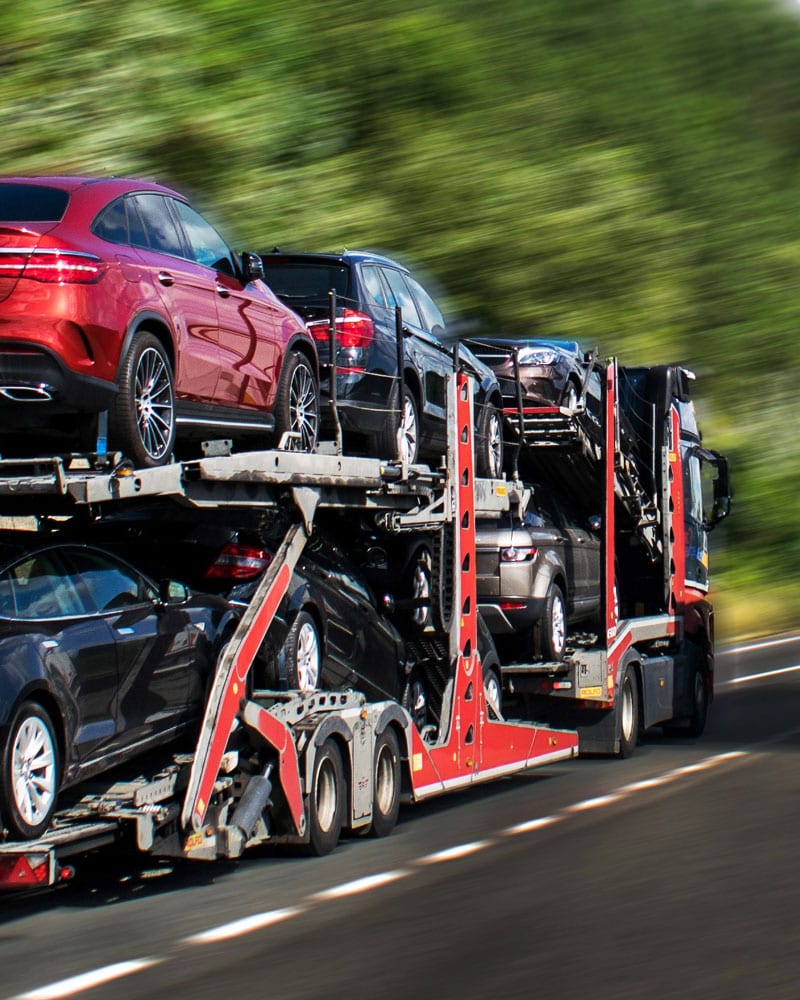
(623,173)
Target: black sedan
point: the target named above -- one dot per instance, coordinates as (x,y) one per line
(97,665)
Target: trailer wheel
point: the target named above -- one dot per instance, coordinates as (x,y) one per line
(628,713)
(303,654)
(326,801)
(386,777)
(296,407)
(30,772)
(489,444)
(143,416)
(554,625)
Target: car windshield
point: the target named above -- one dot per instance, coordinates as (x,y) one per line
(32,203)
(309,283)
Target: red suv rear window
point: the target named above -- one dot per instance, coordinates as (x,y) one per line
(32,203)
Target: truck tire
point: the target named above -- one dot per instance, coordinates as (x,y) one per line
(386,784)
(296,406)
(31,772)
(489,444)
(697,720)
(554,625)
(303,654)
(628,713)
(325,803)
(142,419)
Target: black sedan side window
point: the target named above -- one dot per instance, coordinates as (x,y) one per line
(40,587)
(112,585)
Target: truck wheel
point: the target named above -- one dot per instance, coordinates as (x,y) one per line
(628,713)
(142,419)
(303,654)
(489,444)
(554,625)
(297,404)
(326,801)
(386,777)
(30,772)
(697,720)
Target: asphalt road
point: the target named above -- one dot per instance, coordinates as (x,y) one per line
(672,874)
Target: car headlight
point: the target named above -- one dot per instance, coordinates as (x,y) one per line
(538,356)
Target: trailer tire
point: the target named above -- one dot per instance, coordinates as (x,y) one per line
(31,772)
(628,713)
(386,787)
(303,654)
(325,802)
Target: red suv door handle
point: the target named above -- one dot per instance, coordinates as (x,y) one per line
(223,292)
(166,278)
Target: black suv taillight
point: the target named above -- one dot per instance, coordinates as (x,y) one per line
(353,329)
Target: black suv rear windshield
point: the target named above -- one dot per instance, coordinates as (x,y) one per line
(307,283)
(32,203)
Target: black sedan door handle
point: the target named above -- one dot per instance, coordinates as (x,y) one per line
(165,278)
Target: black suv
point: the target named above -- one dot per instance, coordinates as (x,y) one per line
(368,289)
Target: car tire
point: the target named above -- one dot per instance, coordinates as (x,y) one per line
(493,689)
(326,800)
(142,418)
(303,654)
(296,407)
(31,772)
(399,437)
(489,444)
(553,626)
(571,396)
(628,713)
(415,699)
(386,784)
(419,585)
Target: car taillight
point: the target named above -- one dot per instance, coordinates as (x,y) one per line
(60,267)
(238,562)
(517,554)
(353,329)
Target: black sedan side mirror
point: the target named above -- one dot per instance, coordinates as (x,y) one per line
(172,592)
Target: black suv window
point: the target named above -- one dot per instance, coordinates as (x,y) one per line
(308,283)
(160,230)
(32,203)
(374,288)
(432,319)
(402,296)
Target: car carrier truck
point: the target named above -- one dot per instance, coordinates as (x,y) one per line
(286,767)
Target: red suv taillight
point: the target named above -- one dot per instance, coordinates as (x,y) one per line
(238,562)
(353,329)
(60,267)
(517,554)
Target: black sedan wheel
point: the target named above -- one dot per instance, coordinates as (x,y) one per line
(303,654)
(489,444)
(30,772)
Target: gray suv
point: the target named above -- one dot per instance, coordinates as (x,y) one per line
(538,576)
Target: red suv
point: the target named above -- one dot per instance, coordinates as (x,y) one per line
(117,296)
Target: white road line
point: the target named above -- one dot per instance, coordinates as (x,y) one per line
(88,980)
(530,825)
(597,803)
(759,677)
(360,885)
(746,647)
(451,853)
(246,925)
